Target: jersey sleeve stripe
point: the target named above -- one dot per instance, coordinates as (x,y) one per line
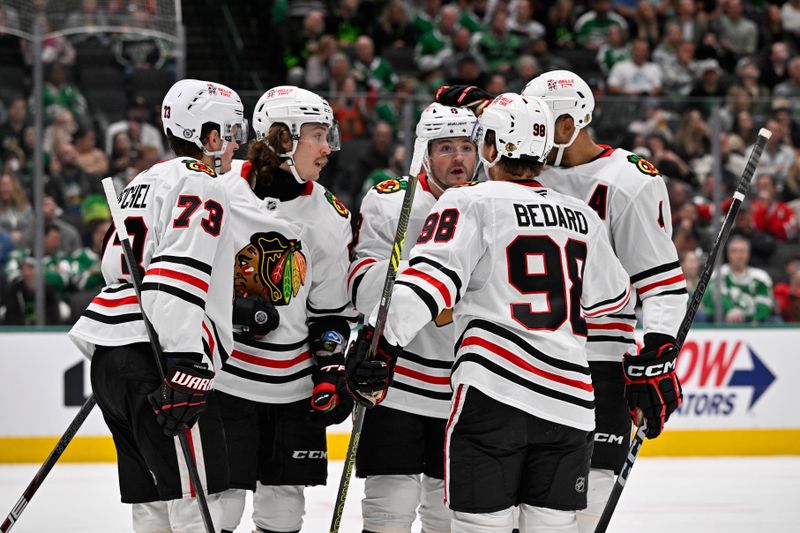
(354,287)
(180,276)
(175,291)
(446,396)
(426,298)
(112,319)
(438,285)
(209,336)
(108,302)
(186,261)
(264,378)
(622,316)
(331,311)
(673,292)
(650,272)
(523,364)
(358,266)
(609,338)
(669,281)
(269,346)
(416,374)
(117,288)
(610,305)
(433,363)
(270,363)
(419,260)
(611,325)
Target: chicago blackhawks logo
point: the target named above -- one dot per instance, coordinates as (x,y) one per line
(643,165)
(198,166)
(337,205)
(390,186)
(271,266)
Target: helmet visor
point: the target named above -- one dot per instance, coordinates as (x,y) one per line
(318,133)
(236,130)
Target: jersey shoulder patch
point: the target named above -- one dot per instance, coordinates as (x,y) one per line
(198,166)
(391,185)
(643,165)
(467,184)
(337,205)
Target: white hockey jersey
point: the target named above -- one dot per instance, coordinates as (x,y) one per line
(422,374)
(295,254)
(521,265)
(177,215)
(630,197)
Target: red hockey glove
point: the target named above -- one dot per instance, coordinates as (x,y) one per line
(330,403)
(369,379)
(182,395)
(469,96)
(652,389)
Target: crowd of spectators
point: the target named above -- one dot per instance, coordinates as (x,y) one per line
(672,79)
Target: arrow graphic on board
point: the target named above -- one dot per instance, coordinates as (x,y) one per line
(759,377)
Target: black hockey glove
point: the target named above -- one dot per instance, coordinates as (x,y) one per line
(369,378)
(254,315)
(330,403)
(469,96)
(182,396)
(652,389)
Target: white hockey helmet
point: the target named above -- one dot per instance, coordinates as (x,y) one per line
(191,103)
(293,107)
(442,122)
(523,128)
(566,93)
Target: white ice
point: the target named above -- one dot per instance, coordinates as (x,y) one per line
(731,495)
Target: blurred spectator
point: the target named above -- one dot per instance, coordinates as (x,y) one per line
(339,71)
(787,295)
(347,21)
(681,75)
(693,137)
(666,161)
(56,261)
(770,215)
(636,76)
(71,184)
(782,112)
(434,46)
(350,110)
(11,130)
(20,296)
(394,29)
(709,91)
(496,84)
(69,238)
(497,46)
(592,27)
(60,131)
(90,158)
(692,29)
(736,32)
(469,72)
(425,17)
(778,157)
(396,167)
(687,233)
(57,92)
(55,48)
(137,50)
(84,264)
(371,71)
(16,215)
(690,265)
(374,157)
(89,17)
(746,291)
(527,69)
(736,101)
(646,21)
(460,48)
(775,68)
(615,50)
(471,14)
(762,244)
(120,157)
(561,25)
(392,110)
(748,74)
(744,127)
(523,25)
(667,50)
(547,60)
(139,131)
(790,88)
(317,71)
(790,15)
(711,48)
(300,44)
(772,26)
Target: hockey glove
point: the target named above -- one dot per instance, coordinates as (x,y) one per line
(469,96)
(255,316)
(330,403)
(652,389)
(369,378)
(182,395)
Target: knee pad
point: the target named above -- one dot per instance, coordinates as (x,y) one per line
(279,508)
(233,501)
(542,520)
(185,515)
(481,522)
(433,514)
(151,517)
(600,484)
(390,503)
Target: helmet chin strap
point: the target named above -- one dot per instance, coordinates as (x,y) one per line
(564,146)
(217,155)
(289,157)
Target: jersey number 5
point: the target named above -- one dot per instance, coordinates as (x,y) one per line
(551,282)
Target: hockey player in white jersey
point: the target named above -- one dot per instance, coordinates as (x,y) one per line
(176,213)
(630,197)
(283,383)
(401,451)
(522,265)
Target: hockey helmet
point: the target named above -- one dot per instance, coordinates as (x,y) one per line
(442,122)
(191,103)
(523,128)
(567,94)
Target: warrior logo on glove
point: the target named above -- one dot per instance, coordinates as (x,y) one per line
(272,267)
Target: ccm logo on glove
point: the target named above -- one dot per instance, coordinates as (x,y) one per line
(652,370)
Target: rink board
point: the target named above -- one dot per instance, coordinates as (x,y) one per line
(738,388)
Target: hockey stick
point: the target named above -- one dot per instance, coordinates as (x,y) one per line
(48,464)
(136,279)
(420,146)
(697,297)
